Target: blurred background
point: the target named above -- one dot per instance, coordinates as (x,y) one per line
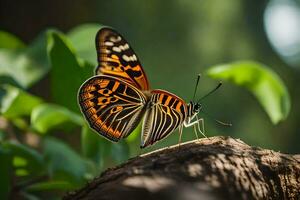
(175,41)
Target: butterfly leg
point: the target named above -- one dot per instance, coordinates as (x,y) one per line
(180,129)
(196,123)
(201,120)
(195,130)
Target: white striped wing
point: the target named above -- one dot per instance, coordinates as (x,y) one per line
(164,114)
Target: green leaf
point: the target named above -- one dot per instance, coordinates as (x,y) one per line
(15,102)
(20,122)
(136,133)
(90,144)
(50,185)
(67,73)
(37,51)
(261,81)
(18,66)
(19,161)
(21,172)
(65,164)
(5,172)
(25,159)
(24,67)
(83,40)
(94,146)
(100,150)
(9,41)
(120,151)
(46,117)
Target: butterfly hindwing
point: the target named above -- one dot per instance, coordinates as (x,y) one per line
(118,97)
(116,58)
(112,107)
(165,113)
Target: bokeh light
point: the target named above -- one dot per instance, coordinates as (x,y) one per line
(282,25)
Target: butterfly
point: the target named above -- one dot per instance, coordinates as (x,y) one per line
(118,97)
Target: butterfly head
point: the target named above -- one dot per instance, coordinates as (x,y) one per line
(194,108)
(197,107)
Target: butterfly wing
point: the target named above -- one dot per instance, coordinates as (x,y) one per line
(165,113)
(111,106)
(116,58)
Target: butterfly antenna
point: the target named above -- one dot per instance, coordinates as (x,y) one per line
(197,82)
(218,121)
(219,85)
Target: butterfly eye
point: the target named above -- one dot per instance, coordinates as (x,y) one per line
(195,109)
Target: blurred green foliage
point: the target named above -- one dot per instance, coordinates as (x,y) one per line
(62,167)
(266,86)
(22,65)
(51,164)
(47,148)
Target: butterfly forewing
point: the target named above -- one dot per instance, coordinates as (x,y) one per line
(116,58)
(111,106)
(118,97)
(164,114)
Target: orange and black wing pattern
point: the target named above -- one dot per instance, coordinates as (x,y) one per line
(116,58)
(111,106)
(165,113)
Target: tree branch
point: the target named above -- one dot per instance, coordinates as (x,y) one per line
(210,168)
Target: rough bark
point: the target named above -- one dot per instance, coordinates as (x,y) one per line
(211,168)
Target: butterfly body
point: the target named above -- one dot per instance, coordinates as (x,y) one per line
(118,97)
